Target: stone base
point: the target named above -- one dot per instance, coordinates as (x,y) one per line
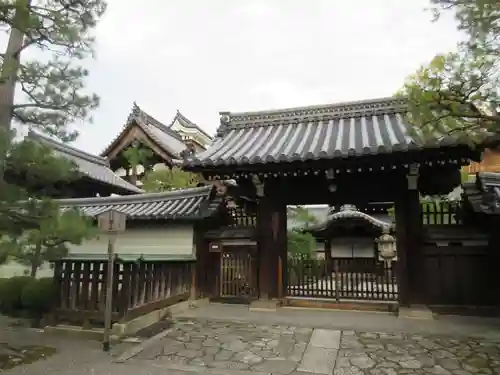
(415,312)
(264,305)
(78,332)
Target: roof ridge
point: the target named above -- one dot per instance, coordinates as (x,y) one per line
(183,117)
(139,113)
(69,149)
(386,103)
(138,198)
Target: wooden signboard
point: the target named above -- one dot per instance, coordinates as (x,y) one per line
(112,221)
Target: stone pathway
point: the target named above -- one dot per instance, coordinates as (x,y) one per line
(268,349)
(271,349)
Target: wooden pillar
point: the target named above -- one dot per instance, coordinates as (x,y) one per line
(272,245)
(408,243)
(283,249)
(202,283)
(401,242)
(193,290)
(328,256)
(493,223)
(415,262)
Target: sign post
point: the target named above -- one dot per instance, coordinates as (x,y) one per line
(111,222)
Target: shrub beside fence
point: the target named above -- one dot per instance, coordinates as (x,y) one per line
(28,297)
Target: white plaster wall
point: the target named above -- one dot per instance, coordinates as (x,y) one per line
(15,269)
(356,247)
(175,240)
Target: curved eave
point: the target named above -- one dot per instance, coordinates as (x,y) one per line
(348,215)
(113,188)
(197,165)
(186,204)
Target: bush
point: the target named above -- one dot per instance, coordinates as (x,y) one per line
(39,295)
(300,245)
(3,280)
(11,292)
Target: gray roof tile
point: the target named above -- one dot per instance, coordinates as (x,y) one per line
(166,138)
(92,166)
(124,257)
(483,194)
(194,203)
(315,132)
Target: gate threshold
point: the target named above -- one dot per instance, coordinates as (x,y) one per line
(352,305)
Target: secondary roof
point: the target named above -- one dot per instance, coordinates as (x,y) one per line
(194,203)
(92,166)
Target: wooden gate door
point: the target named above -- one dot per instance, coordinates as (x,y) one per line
(238,273)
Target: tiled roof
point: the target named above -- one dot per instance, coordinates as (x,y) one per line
(351,212)
(483,194)
(184,121)
(315,132)
(92,166)
(195,203)
(166,138)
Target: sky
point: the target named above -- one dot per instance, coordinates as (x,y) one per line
(202,57)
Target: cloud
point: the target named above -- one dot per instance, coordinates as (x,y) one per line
(280,94)
(256,10)
(207,56)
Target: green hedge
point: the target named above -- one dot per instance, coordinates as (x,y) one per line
(10,294)
(25,294)
(38,296)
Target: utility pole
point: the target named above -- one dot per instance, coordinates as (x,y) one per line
(111,222)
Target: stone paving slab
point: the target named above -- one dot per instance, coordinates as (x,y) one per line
(325,338)
(321,352)
(318,360)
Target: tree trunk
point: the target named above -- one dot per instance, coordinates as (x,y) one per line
(133,177)
(36,261)
(34,269)
(8,78)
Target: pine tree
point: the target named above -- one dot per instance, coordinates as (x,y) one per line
(49,240)
(45,93)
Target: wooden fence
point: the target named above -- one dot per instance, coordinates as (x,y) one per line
(239,218)
(342,279)
(138,288)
